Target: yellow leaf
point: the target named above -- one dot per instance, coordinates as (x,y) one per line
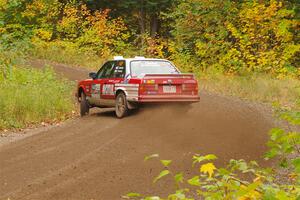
(208,168)
(250,195)
(257,179)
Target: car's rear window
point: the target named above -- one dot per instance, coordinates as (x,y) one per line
(141,67)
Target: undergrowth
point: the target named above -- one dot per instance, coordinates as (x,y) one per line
(259,88)
(30,96)
(66,53)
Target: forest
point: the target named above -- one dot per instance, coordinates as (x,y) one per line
(248,49)
(230,36)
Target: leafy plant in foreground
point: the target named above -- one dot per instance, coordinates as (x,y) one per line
(285,144)
(239,179)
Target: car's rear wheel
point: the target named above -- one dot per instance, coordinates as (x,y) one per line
(84,105)
(121,105)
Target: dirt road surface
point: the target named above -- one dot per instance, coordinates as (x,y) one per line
(101,157)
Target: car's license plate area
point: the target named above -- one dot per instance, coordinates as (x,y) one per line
(169,88)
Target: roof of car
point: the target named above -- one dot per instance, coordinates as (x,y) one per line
(137,58)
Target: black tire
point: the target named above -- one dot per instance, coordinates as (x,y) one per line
(84,106)
(121,105)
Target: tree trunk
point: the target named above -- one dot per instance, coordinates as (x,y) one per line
(154,25)
(142,18)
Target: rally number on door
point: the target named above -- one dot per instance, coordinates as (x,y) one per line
(108,89)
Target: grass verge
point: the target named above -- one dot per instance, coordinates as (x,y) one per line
(31,96)
(66,53)
(259,88)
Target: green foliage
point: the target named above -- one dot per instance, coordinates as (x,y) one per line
(59,25)
(30,96)
(178,178)
(66,52)
(285,143)
(232,37)
(161,175)
(151,156)
(224,183)
(237,38)
(239,179)
(255,87)
(166,163)
(291,116)
(198,158)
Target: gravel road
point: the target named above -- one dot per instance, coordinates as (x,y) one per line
(101,157)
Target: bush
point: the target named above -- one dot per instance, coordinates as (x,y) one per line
(30,96)
(238,38)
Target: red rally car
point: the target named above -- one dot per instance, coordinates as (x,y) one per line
(127,83)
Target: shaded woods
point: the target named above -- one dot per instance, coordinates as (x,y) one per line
(230,37)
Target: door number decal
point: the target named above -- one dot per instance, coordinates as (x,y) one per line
(96,90)
(108,89)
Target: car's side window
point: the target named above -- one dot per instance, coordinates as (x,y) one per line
(119,69)
(106,70)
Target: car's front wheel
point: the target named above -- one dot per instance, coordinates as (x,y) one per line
(84,105)
(121,105)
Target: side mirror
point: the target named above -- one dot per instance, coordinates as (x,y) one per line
(93,75)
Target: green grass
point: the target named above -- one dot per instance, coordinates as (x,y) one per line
(66,53)
(32,96)
(260,88)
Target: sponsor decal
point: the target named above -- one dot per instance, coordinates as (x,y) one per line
(190,81)
(152,92)
(96,90)
(87,88)
(150,81)
(108,89)
(119,69)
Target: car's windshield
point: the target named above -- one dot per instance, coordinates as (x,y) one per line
(152,67)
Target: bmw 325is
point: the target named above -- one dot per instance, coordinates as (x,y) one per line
(125,83)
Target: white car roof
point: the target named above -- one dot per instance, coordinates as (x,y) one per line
(137,58)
